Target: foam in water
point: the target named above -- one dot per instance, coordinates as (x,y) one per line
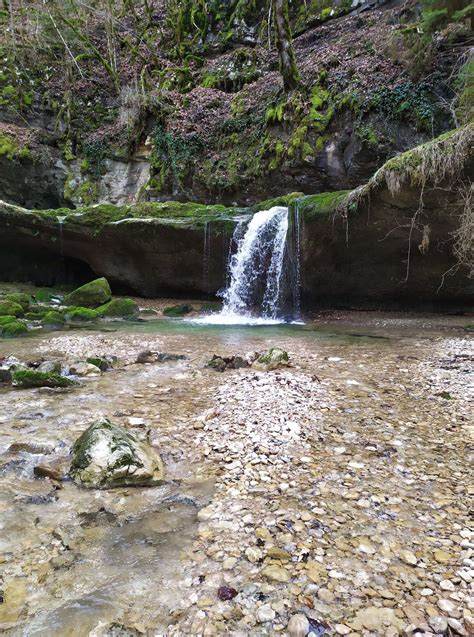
(256,269)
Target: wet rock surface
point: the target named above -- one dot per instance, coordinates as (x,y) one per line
(340,498)
(107,455)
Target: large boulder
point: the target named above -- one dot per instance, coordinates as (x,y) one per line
(119,308)
(10,308)
(107,456)
(91,294)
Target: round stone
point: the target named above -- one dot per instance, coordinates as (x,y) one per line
(298,626)
(265,614)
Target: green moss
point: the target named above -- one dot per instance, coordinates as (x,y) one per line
(321,205)
(13,328)
(91,294)
(21,298)
(284,200)
(119,308)
(80,314)
(178,310)
(84,193)
(37,313)
(102,363)
(53,319)
(30,378)
(10,148)
(4,320)
(368,135)
(10,308)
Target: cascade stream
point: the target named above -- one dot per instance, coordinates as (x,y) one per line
(260,271)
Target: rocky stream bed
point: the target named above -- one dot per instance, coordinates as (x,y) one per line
(329,497)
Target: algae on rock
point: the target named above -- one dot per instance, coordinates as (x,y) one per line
(107,456)
(91,294)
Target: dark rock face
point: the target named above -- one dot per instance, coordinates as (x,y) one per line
(368,266)
(33,184)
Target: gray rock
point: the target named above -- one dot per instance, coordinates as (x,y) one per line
(439,624)
(107,456)
(274,358)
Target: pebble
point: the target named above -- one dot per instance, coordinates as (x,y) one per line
(438,623)
(265,614)
(298,626)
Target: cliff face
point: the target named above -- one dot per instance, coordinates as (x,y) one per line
(193,107)
(394,240)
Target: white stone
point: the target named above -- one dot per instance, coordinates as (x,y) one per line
(265,614)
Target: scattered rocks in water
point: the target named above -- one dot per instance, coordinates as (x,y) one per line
(102,517)
(178,310)
(82,368)
(49,367)
(147,356)
(28,378)
(273,359)
(104,363)
(107,456)
(90,295)
(29,447)
(53,473)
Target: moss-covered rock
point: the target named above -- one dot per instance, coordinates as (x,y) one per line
(81,314)
(12,328)
(90,295)
(21,298)
(274,358)
(10,308)
(53,320)
(29,378)
(118,308)
(37,313)
(102,363)
(178,310)
(107,455)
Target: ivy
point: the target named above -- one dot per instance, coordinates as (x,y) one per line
(406,101)
(173,154)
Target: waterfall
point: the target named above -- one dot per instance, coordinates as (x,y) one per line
(256,269)
(206,255)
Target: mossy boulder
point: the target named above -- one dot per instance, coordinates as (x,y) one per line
(91,294)
(178,310)
(118,308)
(107,456)
(37,313)
(102,363)
(21,298)
(10,308)
(53,320)
(81,314)
(274,358)
(12,328)
(29,378)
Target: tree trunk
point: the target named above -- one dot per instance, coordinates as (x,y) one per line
(284,45)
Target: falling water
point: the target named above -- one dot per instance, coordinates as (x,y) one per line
(60,223)
(255,270)
(297,282)
(206,255)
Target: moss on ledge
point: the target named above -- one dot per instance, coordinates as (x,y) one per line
(323,204)
(187,213)
(284,200)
